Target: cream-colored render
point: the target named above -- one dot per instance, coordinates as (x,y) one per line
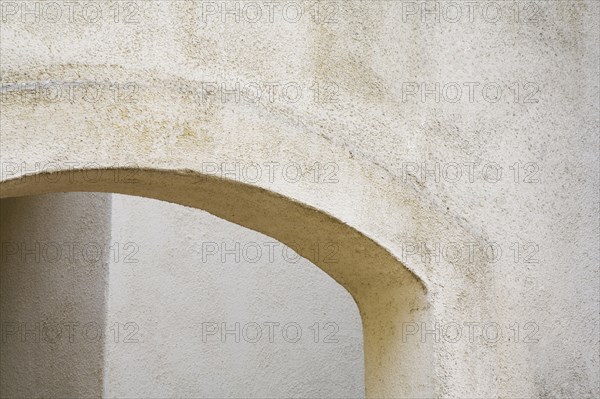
(387,147)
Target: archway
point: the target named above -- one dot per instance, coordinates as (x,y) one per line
(122,296)
(387,294)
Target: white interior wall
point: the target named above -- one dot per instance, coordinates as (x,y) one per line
(187,274)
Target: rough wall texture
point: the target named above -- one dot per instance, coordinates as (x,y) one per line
(507,172)
(202,272)
(53,282)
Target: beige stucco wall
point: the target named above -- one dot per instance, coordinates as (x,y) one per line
(380,137)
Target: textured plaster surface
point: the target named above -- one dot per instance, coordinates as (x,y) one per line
(45,280)
(369,133)
(191,288)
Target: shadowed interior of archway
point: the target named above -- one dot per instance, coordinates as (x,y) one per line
(136,269)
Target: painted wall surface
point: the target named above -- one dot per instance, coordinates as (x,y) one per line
(192,273)
(453,158)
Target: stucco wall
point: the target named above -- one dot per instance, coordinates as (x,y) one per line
(53,280)
(190,278)
(524,135)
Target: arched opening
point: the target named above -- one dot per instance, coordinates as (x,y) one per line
(185,303)
(388,294)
